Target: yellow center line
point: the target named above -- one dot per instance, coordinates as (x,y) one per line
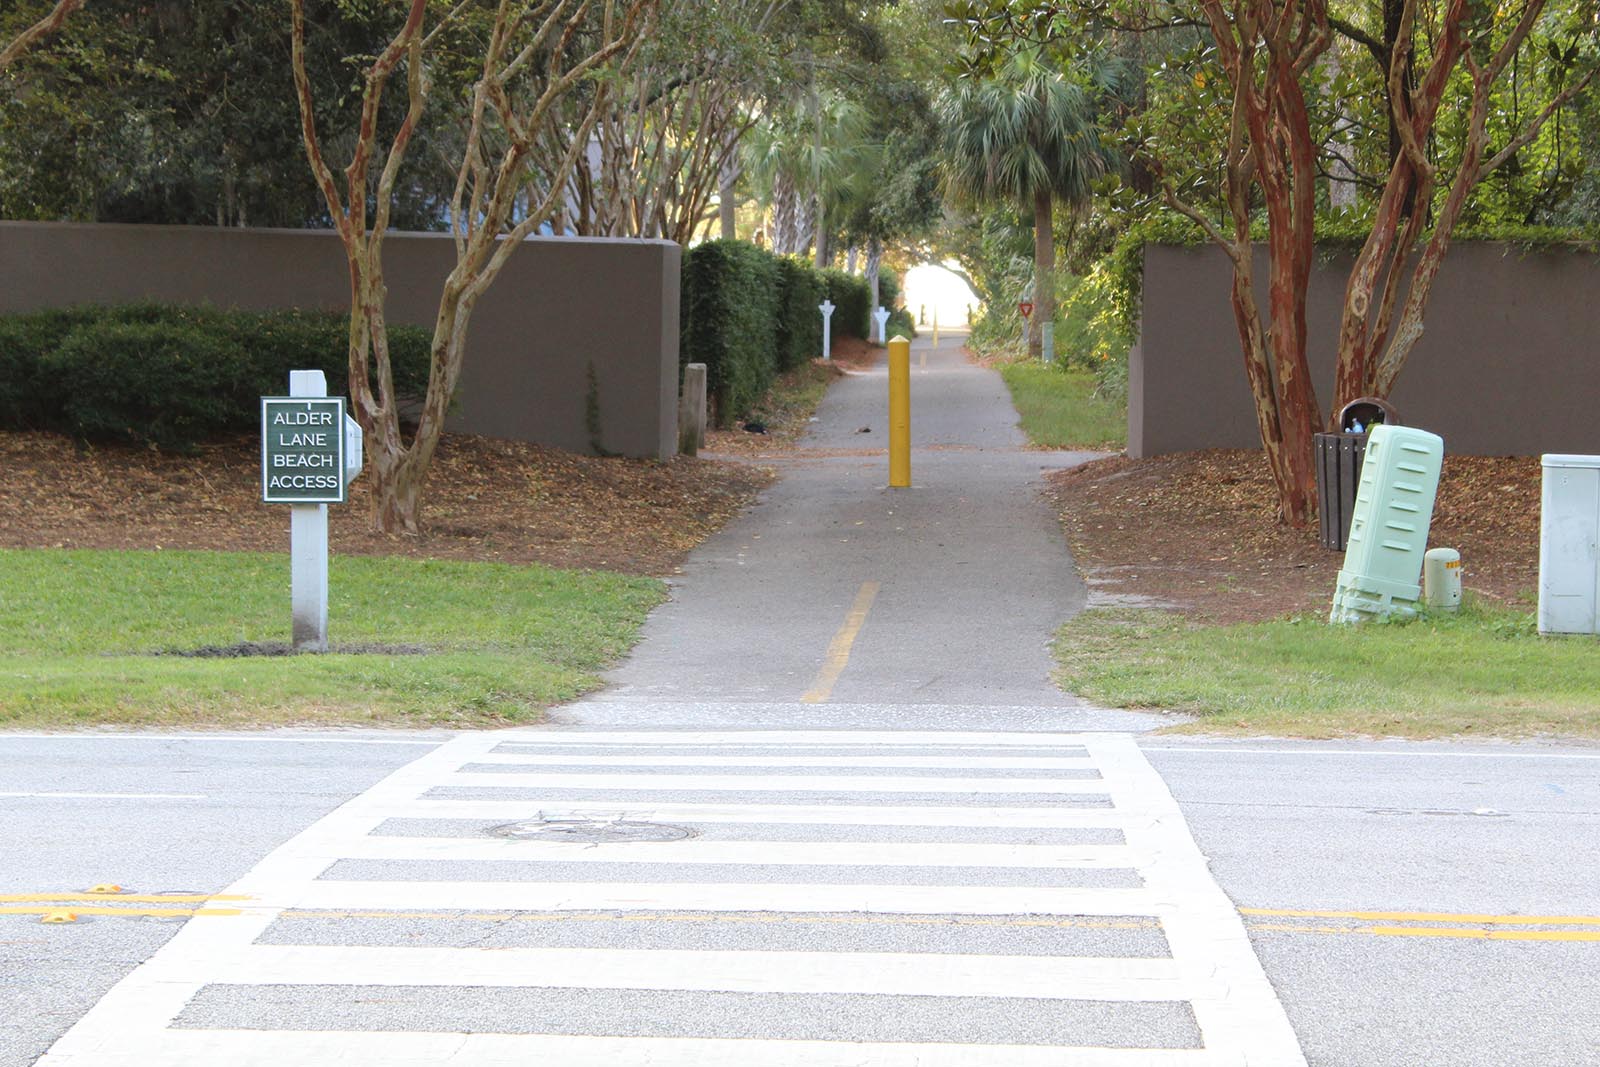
(1431,931)
(1428,917)
(131,898)
(100,910)
(839,648)
(1484,935)
(1137,923)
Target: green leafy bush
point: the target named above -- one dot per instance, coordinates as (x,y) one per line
(730,305)
(852,301)
(174,376)
(798,337)
(900,324)
(888,287)
(167,384)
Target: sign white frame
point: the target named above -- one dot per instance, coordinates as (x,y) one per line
(338,496)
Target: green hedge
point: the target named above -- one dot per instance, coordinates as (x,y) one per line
(173,376)
(729,322)
(748,314)
(852,301)
(799,322)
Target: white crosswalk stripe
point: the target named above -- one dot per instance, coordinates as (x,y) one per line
(779,838)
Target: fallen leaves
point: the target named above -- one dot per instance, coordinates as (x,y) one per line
(1208,520)
(486,499)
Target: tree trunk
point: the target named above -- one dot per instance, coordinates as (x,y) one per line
(1044,272)
(784,223)
(727,202)
(874,260)
(824,258)
(850,258)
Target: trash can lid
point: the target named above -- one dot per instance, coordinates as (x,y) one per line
(1556,459)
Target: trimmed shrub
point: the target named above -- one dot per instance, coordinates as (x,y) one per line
(888,287)
(730,305)
(174,376)
(799,323)
(852,300)
(166,384)
(900,324)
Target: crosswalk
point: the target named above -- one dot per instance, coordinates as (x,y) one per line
(785,898)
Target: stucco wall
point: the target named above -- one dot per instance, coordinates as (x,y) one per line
(1508,364)
(560,305)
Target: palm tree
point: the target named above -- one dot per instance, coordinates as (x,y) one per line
(1027,134)
(801,158)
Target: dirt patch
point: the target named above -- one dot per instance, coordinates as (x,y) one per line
(776,426)
(487,499)
(1198,531)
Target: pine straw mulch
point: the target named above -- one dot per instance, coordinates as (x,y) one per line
(486,499)
(785,415)
(1198,531)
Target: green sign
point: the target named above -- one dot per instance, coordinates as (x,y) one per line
(302,450)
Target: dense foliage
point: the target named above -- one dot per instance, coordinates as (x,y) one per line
(171,376)
(748,314)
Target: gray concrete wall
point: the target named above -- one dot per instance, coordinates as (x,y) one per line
(561,305)
(1507,365)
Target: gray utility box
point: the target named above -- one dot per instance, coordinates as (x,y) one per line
(1569,546)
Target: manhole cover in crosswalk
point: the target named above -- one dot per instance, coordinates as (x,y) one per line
(602,831)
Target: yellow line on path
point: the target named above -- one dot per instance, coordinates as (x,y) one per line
(1485,935)
(839,647)
(100,910)
(1432,931)
(1430,917)
(1133,923)
(129,898)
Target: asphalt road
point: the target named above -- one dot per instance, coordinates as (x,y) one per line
(881,824)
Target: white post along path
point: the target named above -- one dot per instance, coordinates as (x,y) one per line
(827,307)
(898,898)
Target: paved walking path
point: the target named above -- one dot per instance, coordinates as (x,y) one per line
(833,812)
(840,602)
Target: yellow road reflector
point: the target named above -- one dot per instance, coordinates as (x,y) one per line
(105,887)
(59,915)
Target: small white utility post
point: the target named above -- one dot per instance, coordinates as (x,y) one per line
(1047,340)
(881,317)
(826,307)
(310,450)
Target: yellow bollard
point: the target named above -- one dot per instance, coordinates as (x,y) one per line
(899,413)
(936,329)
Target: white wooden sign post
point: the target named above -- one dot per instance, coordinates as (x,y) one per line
(310,451)
(826,307)
(881,317)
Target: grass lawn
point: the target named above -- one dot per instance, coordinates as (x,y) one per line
(78,629)
(1485,672)
(1059,408)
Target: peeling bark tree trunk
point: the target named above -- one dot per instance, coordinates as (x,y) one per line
(1373,347)
(727,199)
(515,97)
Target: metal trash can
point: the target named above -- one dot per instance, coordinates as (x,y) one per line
(1338,462)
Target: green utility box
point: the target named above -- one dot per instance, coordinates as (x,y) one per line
(1389,528)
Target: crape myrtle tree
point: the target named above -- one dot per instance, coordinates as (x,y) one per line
(526,59)
(668,142)
(1257,76)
